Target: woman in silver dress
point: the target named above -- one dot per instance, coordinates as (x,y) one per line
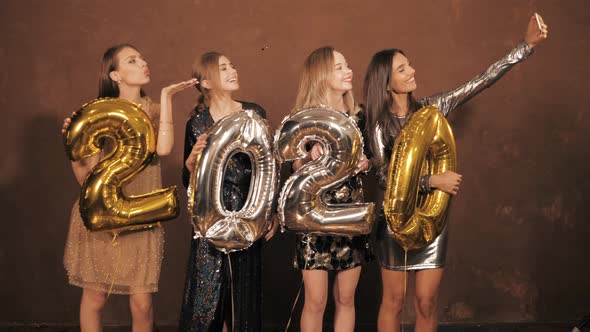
(388,88)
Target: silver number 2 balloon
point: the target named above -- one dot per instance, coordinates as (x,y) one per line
(228,231)
(301,207)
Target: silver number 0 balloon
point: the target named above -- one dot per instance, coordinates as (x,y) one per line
(229,231)
(301,207)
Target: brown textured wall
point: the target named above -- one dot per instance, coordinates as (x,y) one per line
(519,228)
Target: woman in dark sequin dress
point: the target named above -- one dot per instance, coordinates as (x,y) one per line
(327,82)
(207,301)
(389,84)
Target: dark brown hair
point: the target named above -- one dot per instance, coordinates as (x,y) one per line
(378,98)
(106,86)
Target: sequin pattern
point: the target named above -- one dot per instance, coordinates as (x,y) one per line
(320,252)
(131,262)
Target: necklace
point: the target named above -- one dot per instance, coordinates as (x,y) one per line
(330,108)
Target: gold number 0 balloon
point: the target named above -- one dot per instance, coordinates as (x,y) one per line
(103,205)
(425,142)
(228,231)
(301,208)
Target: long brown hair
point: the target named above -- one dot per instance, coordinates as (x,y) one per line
(206,67)
(378,98)
(110,61)
(313,87)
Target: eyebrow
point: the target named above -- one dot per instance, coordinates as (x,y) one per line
(398,67)
(225,64)
(131,56)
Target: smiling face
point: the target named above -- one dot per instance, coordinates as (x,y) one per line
(340,79)
(131,68)
(402,75)
(228,75)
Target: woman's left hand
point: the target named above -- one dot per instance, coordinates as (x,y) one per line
(534,35)
(273,229)
(363,164)
(170,90)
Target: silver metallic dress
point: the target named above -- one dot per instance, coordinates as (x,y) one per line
(391,254)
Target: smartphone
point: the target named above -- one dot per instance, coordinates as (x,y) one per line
(539,20)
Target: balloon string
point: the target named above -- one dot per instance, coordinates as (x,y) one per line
(294,304)
(405,288)
(231,287)
(114,243)
(307,242)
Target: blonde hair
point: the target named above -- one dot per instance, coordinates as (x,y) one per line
(206,67)
(313,87)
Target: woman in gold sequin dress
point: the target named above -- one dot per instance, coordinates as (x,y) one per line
(129,264)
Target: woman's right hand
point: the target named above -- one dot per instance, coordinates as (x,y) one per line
(172,89)
(534,35)
(66,124)
(448,182)
(316,151)
(197,149)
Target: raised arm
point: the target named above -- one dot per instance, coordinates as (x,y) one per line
(448,101)
(166,128)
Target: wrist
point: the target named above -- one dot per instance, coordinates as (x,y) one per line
(433,181)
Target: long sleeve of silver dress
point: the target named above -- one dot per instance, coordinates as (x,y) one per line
(390,254)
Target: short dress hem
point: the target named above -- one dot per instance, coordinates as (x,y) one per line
(416,267)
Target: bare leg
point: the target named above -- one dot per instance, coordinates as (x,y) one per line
(344,291)
(142,312)
(392,300)
(91,307)
(426,302)
(315,283)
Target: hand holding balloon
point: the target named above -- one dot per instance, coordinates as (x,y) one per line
(363,164)
(448,182)
(336,153)
(66,124)
(316,151)
(425,142)
(229,230)
(273,228)
(103,204)
(197,149)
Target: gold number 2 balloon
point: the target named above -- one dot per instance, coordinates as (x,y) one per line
(103,205)
(425,142)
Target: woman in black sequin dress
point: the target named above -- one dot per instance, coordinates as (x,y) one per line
(207,301)
(327,82)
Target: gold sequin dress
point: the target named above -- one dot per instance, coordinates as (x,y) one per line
(130,263)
